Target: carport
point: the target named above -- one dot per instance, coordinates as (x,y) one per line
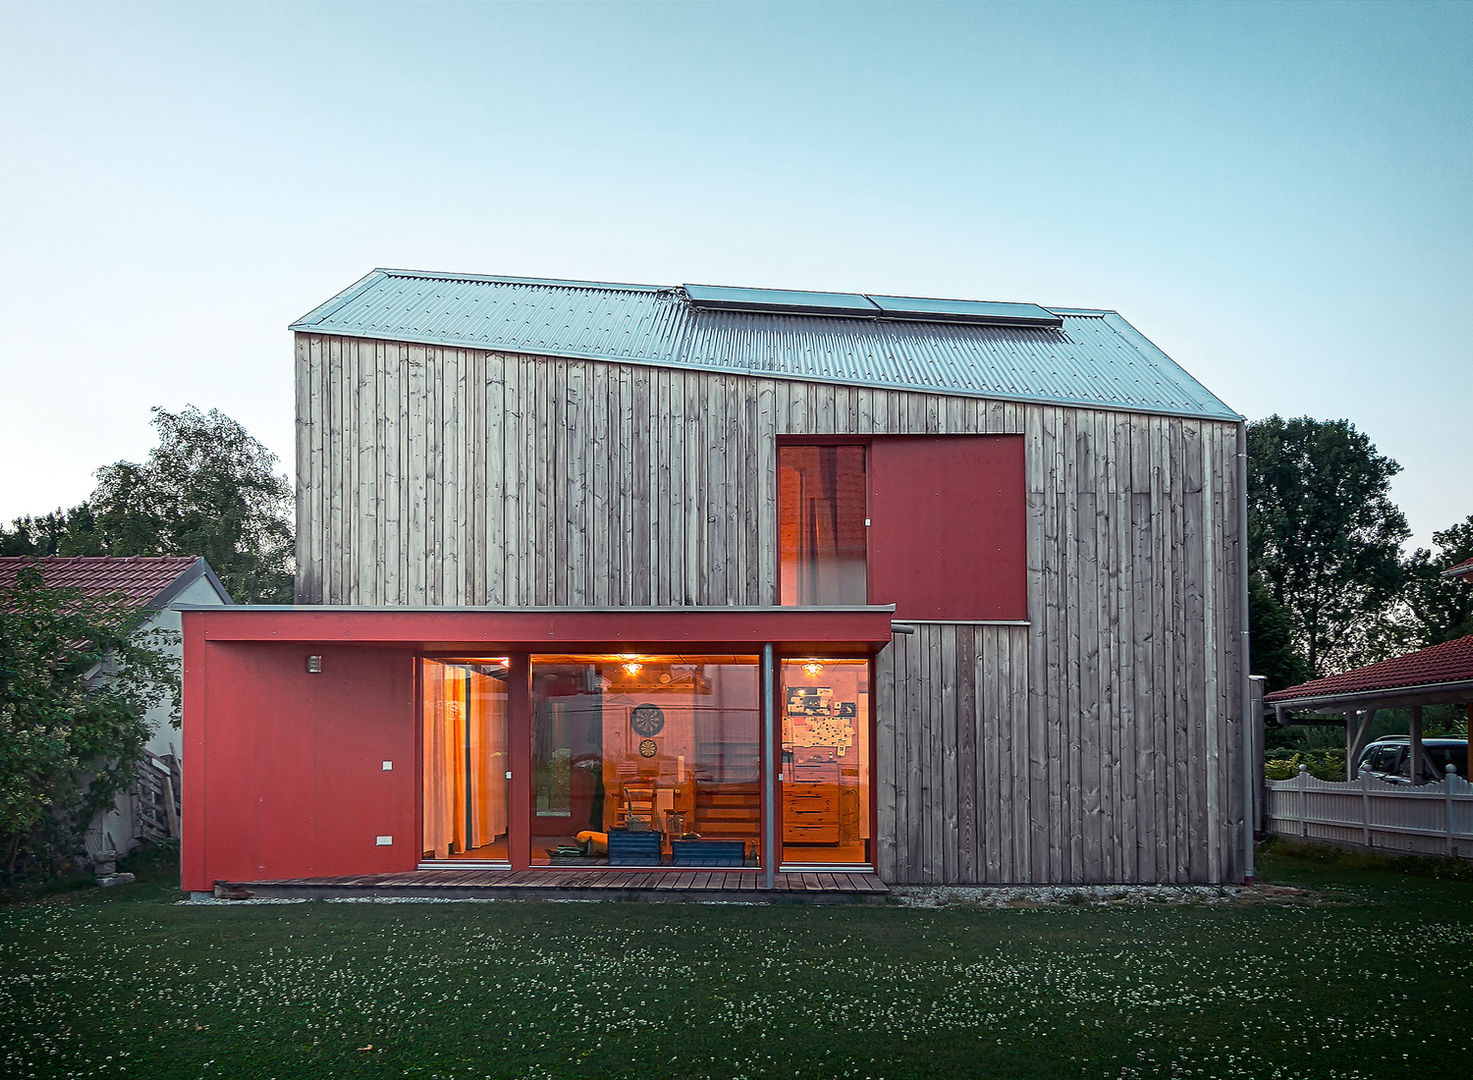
(1439,675)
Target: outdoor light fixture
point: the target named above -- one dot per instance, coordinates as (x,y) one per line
(314,665)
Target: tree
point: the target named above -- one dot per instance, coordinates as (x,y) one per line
(61,532)
(207,489)
(1271,648)
(1437,609)
(1324,537)
(76,684)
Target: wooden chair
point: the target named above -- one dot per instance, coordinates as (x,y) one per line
(638,802)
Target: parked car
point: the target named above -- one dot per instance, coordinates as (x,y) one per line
(1389,758)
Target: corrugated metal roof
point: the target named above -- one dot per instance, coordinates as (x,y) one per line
(1095,359)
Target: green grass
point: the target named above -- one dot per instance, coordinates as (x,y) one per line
(1368,978)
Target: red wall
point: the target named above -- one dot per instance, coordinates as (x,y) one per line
(948,532)
(284,770)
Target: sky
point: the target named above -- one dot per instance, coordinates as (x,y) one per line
(1278,195)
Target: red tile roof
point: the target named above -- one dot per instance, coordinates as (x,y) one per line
(1463,569)
(142,579)
(1452,661)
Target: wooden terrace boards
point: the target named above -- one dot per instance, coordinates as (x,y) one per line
(648,885)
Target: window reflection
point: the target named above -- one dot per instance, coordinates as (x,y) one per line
(821,525)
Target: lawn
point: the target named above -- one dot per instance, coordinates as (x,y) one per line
(1367,978)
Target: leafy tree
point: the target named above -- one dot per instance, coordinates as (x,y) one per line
(61,532)
(76,684)
(1271,646)
(1438,609)
(1324,536)
(208,488)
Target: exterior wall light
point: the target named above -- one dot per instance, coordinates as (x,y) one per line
(314,665)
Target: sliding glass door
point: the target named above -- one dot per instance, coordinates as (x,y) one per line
(466,768)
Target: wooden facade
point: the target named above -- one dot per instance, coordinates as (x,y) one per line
(1099,741)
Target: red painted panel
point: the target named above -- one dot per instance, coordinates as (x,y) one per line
(284,769)
(948,527)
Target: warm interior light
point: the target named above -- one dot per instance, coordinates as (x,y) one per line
(632,668)
(813,668)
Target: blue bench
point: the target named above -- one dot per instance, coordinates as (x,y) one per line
(708,852)
(634,848)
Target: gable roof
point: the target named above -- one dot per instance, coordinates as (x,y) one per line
(149,582)
(1440,665)
(1094,358)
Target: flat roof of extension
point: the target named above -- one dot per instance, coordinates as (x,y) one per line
(989,349)
(844,630)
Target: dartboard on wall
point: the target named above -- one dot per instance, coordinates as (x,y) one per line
(647,720)
(648,748)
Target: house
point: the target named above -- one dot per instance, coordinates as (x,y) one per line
(595,574)
(152,586)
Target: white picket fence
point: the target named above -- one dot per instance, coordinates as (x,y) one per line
(1431,819)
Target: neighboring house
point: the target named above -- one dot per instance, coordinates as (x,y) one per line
(152,585)
(951,590)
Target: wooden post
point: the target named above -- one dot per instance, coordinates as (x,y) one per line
(1365,807)
(1414,751)
(1303,801)
(1355,737)
(1447,802)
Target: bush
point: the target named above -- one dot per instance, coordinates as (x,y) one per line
(1323,765)
(76,684)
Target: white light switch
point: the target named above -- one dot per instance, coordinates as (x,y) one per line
(388,766)
(385,841)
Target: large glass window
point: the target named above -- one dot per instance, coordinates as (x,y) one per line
(822,525)
(825,761)
(465,759)
(643,760)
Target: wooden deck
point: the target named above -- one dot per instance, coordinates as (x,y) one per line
(633,884)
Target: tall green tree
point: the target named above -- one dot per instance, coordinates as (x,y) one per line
(61,532)
(1324,537)
(1439,609)
(1272,651)
(76,683)
(208,488)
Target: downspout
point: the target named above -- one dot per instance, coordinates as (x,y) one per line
(1249,721)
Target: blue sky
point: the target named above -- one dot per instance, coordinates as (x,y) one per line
(1279,195)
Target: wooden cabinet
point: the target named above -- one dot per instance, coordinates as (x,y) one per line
(811,797)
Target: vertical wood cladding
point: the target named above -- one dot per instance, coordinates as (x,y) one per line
(1100,742)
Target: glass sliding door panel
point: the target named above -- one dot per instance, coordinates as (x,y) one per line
(464,750)
(822,500)
(646,760)
(826,791)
